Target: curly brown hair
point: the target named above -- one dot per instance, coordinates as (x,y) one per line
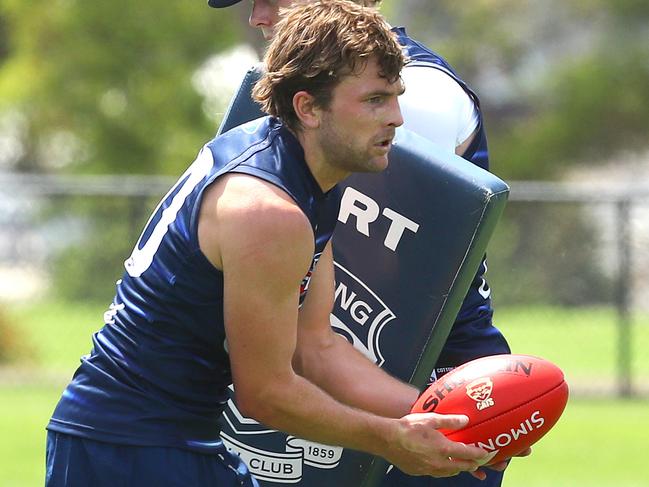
(316,45)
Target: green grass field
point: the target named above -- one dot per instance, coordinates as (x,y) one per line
(583,342)
(599,442)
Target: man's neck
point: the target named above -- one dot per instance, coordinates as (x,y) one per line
(326,174)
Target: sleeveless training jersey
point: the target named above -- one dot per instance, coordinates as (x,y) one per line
(159,370)
(474,318)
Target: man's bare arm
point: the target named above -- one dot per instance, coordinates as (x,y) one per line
(326,358)
(264,245)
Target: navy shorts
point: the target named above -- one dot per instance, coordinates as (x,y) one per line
(79,462)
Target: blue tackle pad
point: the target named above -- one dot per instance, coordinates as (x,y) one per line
(408,243)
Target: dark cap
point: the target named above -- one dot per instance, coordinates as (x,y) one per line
(221,3)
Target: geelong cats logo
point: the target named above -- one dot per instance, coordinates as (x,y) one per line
(480,391)
(359,315)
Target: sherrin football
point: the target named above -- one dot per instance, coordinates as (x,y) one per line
(511,401)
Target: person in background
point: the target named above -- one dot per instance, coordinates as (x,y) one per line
(231,282)
(440,106)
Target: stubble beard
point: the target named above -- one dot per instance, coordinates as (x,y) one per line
(342,154)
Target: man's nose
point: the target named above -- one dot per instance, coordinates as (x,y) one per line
(396,118)
(260,15)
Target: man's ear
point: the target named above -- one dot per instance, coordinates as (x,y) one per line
(306,109)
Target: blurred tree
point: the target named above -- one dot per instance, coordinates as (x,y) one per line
(13,345)
(107,86)
(3,39)
(562,81)
(547,253)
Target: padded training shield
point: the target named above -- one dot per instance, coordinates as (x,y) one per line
(408,243)
(242,107)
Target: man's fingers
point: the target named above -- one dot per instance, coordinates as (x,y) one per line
(479,474)
(453,449)
(488,458)
(524,453)
(465,465)
(499,467)
(460,451)
(447,457)
(446,421)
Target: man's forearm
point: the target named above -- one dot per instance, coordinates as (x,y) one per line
(351,378)
(412,443)
(299,407)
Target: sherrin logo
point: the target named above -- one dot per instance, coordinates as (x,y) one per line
(534,422)
(435,395)
(480,391)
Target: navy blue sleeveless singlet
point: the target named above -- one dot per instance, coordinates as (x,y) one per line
(159,371)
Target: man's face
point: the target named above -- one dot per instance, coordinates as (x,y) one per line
(265,14)
(357,128)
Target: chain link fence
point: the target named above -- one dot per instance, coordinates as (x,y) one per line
(568,266)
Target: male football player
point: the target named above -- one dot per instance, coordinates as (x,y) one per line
(214,292)
(440,106)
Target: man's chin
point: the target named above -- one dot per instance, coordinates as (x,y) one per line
(378,164)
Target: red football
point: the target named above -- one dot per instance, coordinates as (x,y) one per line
(511,401)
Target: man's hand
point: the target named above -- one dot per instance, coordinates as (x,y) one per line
(419,449)
(500,466)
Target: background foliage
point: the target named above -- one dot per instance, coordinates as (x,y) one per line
(562,81)
(110,87)
(107,86)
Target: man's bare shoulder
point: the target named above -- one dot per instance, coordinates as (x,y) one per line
(253,217)
(242,198)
